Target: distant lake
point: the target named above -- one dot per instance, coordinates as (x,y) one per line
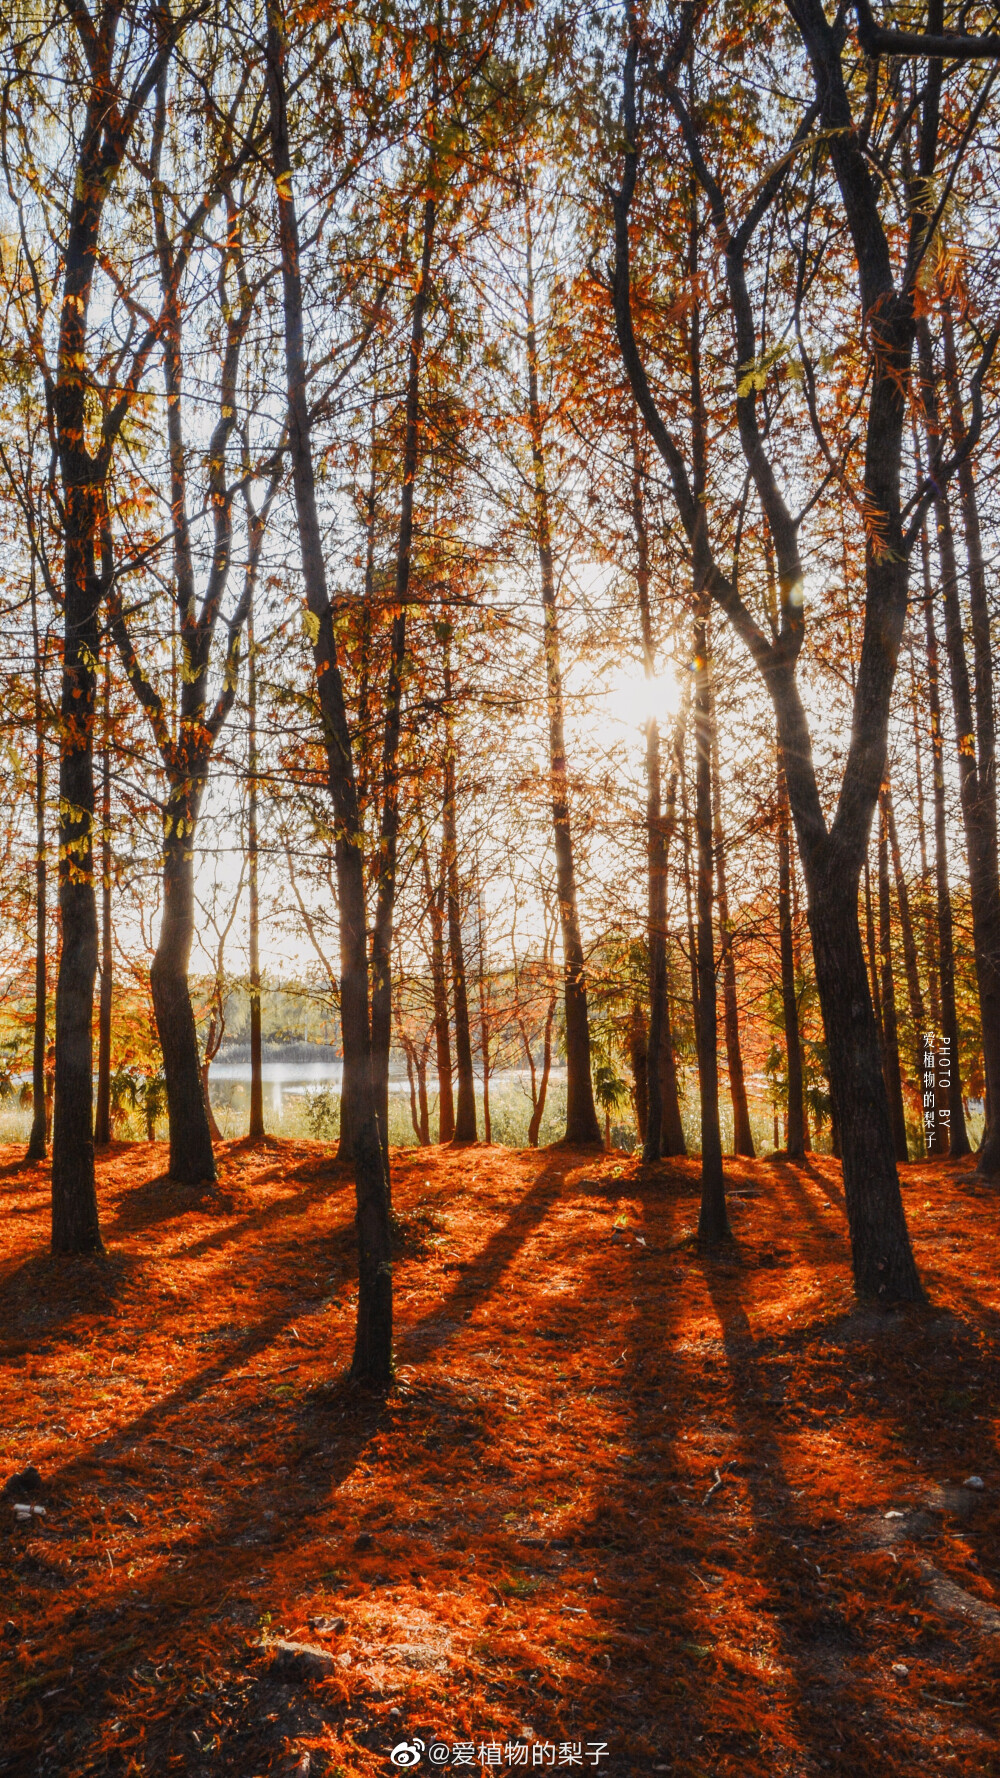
(291,1080)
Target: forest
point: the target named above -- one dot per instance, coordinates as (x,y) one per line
(499,887)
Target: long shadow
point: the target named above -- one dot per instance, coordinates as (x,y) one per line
(254,1544)
(44,1295)
(12,1175)
(144,1207)
(830,1191)
(241,1548)
(482,1278)
(826,1714)
(641,1610)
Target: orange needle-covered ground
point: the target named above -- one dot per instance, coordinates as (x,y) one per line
(622,1495)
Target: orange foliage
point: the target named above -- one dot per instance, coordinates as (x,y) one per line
(622,1493)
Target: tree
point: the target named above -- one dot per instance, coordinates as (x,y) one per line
(832,853)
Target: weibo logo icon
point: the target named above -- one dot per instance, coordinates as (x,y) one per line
(407,1753)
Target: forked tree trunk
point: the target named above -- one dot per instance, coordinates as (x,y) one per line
(192,1161)
(37,1142)
(256,1130)
(115,101)
(713,1221)
(832,855)
(102,1118)
(372,1361)
(582,1127)
(795,1138)
(890,1038)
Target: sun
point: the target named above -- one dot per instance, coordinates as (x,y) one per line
(631,700)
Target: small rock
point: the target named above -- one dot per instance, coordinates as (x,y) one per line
(894,1514)
(27,1481)
(900,1671)
(343,1660)
(298,1661)
(23,1511)
(364,1540)
(328,1626)
(974,1481)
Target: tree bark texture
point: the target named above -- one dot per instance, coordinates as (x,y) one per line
(795,1138)
(256,1130)
(890,1036)
(713,1221)
(37,1139)
(742,1133)
(465,1109)
(582,1126)
(958,1137)
(385,871)
(372,1361)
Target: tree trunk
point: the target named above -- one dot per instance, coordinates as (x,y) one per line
(112,112)
(672,1140)
(582,1126)
(411,1077)
(439,985)
(652,1120)
(465,1111)
(191,1159)
(742,1134)
(978,795)
(713,1221)
(910,963)
(256,1130)
(213,1127)
(874,980)
(102,1119)
(638,1055)
(75,1226)
(926,909)
(951,1114)
(890,1039)
(484,1014)
(883,1261)
(37,1143)
(538,1111)
(689,908)
(425,1122)
(795,1142)
(372,1361)
(832,855)
(385,868)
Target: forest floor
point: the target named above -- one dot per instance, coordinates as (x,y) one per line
(628,1510)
